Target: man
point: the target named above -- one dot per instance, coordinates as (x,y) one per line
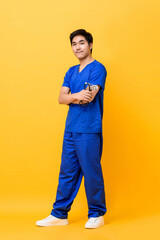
(83,140)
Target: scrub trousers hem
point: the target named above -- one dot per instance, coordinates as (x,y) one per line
(57,216)
(62,217)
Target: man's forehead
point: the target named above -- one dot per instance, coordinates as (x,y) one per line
(78,38)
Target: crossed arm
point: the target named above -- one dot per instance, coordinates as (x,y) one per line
(65,97)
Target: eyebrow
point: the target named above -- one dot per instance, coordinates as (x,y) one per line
(79,41)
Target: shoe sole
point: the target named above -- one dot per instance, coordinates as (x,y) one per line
(51,224)
(91,227)
(96,226)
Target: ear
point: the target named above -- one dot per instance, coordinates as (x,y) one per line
(91,45)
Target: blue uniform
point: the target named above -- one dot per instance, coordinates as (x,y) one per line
(85,119)
(82,145)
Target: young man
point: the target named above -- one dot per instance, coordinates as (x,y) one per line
(83,140)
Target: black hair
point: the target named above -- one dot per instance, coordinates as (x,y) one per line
(84,33)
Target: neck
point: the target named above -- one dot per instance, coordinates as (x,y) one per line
(86,60)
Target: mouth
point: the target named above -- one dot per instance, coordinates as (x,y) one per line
(78,52)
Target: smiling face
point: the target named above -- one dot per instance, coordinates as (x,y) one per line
(80,47)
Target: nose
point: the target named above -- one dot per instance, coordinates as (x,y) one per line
(77,47)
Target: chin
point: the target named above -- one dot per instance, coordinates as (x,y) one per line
(81,57)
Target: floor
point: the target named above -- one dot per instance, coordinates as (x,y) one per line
(20,224)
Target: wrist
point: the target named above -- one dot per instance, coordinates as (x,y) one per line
(74,97)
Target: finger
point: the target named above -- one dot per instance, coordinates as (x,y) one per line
(87,91)
(87,98)
(88,94)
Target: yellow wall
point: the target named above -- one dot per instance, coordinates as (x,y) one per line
(35,53)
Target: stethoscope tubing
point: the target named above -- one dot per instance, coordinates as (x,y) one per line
(90,89)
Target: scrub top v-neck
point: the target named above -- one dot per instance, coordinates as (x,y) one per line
(84,67)
(86,119)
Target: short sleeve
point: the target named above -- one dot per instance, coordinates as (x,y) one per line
(66,82)
(98,76)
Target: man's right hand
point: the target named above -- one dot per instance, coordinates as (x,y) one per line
(66,98)
(84,95)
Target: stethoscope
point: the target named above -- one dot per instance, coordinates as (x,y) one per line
(90,89)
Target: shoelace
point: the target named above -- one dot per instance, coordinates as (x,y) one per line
(48,217)
(93,219)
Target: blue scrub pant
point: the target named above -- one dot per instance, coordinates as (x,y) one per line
(81,155)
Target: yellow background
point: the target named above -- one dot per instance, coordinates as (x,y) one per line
(35,54)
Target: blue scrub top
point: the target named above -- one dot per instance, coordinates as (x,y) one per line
(86,119)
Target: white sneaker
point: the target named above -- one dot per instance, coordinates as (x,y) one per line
(95,222)
(51,221)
